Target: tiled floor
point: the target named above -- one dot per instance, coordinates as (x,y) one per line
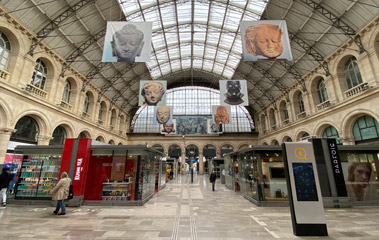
(181,211)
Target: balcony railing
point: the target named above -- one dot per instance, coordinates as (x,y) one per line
(357,89)
(36,91)
(323,105)
(4,75)
(301,115)
(66,105)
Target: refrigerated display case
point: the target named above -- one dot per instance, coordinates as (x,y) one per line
(39,173)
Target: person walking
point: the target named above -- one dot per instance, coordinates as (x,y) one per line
(60,193)
(212,179)
(5,178)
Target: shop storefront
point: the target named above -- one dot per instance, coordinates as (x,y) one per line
(101,174)
(258,173)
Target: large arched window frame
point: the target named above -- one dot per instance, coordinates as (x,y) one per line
(285,112)
(39,75)
(5,50)
(67,92)
(27,131)
(193,101)
(59,135)
(321,91)
(352,74)
(366,128)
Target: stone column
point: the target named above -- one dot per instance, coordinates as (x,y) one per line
(218,154)
(44,140)
(201,163)
(5,135)
(182,164)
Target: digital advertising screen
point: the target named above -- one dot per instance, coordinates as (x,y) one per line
(305,182)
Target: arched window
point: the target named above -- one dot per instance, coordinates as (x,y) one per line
(285,112)
(301,103)
(102,111)
(352,73)
(86,104)
(288,139)
(264,123)
(82,135)
(226,149)
(321,90)
(158,148)
(331,132)
(192,105)
(27,131)
(366,128)
(59,135)
(66,92)
(113,118)
(39,75)
(275,142)
(5,49)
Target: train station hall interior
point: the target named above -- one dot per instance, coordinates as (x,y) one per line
(142,101)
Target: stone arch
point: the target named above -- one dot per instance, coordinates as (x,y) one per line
(157,145)
(85,131)
(300,133)
(17,43)
(274,142)
(52,70)
(321,126)
(295,101)
(120,143)
(349,120)
(41,119)
(5,114)
(176,146)
(313,83)
(271,118)
(339,68)
(111,142)
(100,138)
(67,126)
(243,146)
(285,138)
(264,143)
(75,89)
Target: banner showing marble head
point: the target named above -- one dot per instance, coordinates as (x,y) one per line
(152,93)
(127,42)
(233,92)
(221,114)
(162,115)
(265,40)
(168,128)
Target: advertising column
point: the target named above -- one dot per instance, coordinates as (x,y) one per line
(307,209)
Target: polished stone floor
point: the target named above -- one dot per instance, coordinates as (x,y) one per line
(182,210)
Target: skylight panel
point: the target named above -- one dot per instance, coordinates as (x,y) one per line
(175,65)
(172,37)
(174,52)
(228,72)
(186,63)
(184,12)
(155,73)
(198,50)
(208,65)
(168,15)
(216,15)
(197,63)
(185,36)
(218,68)
(186,50)
(210,53)
(199,36)
(201,12)
(165,68)
(157,41)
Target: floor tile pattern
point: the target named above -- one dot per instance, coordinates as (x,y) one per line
(184,211)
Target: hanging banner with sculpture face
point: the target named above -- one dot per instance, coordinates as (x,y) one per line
(233,92)
(152,93)
(127,42)
(265,40)
(221,114)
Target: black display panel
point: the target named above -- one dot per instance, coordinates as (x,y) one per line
(277,172)
(305,182)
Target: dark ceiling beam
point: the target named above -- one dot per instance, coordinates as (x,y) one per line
(54,23)
(336,21)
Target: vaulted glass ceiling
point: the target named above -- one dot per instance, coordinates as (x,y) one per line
(187,34)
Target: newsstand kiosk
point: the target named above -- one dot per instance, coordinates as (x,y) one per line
(101,174)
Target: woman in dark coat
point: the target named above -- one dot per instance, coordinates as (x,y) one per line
(60,193)
(212,179)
